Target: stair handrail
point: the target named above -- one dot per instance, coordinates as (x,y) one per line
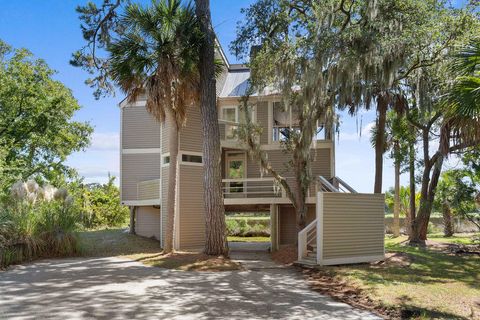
(302,239)
(324,182)
(345,185)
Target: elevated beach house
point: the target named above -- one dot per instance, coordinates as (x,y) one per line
(343,226)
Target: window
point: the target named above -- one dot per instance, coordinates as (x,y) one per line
(233,115)
(192,158)
(230,114)
(285,122)
(165,160)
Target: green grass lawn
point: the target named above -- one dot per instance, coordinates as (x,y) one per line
(248,239)
(428,281)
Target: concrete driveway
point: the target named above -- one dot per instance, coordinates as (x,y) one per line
(114,288)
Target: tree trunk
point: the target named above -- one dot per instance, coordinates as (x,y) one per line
(215,228)
(382,105)
(133,209)
(447,220)
(396,206)
(172,183)
(420,226)
(412,209)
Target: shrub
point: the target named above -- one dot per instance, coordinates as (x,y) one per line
(232,227)
(37,222)
(242,227)
(101,206)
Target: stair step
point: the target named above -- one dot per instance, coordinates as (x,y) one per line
(306,263)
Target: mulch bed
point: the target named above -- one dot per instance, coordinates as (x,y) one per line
(286,255)
(340,290)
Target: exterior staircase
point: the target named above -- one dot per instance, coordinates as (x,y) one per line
(309,237)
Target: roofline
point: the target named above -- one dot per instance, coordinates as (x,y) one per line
(222,53)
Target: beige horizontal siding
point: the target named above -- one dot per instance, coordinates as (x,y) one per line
(262,120)
(137,168)
(148,222)
(149,189)
(192,217)
(191,136)
(321,163)
(353,225)
(139,128)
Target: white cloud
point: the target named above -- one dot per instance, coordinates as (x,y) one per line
(105,141)
(100,159)
(364,134)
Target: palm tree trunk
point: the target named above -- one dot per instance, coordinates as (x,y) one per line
(172,183)
(447,220)
(396,206)
(380,142)
(215,228)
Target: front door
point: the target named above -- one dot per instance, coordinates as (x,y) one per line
(235,171)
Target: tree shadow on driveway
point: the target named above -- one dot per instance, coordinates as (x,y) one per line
(114,288)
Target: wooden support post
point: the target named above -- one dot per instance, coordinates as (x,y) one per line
(274,227)
(133,210)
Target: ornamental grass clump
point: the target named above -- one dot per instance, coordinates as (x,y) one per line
(37,222)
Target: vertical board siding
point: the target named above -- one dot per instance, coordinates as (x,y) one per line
(262,120)
(192,216)
(353,225)
(139,128)
(137,168)
(147,222)
(191,136)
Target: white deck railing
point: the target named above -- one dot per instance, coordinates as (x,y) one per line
(307,237)
(251,188)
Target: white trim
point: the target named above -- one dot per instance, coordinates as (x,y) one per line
(141,150)
(224,57)
(360,259)
(149,202)
(319,214)
(125,104)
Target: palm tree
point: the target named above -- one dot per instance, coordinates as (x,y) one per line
(460,128)
(463,100)
(157,55)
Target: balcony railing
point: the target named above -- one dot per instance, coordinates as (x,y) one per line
(251,188)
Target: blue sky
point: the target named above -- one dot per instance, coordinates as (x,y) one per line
(50,29)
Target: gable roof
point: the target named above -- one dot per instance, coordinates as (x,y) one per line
(236,82)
